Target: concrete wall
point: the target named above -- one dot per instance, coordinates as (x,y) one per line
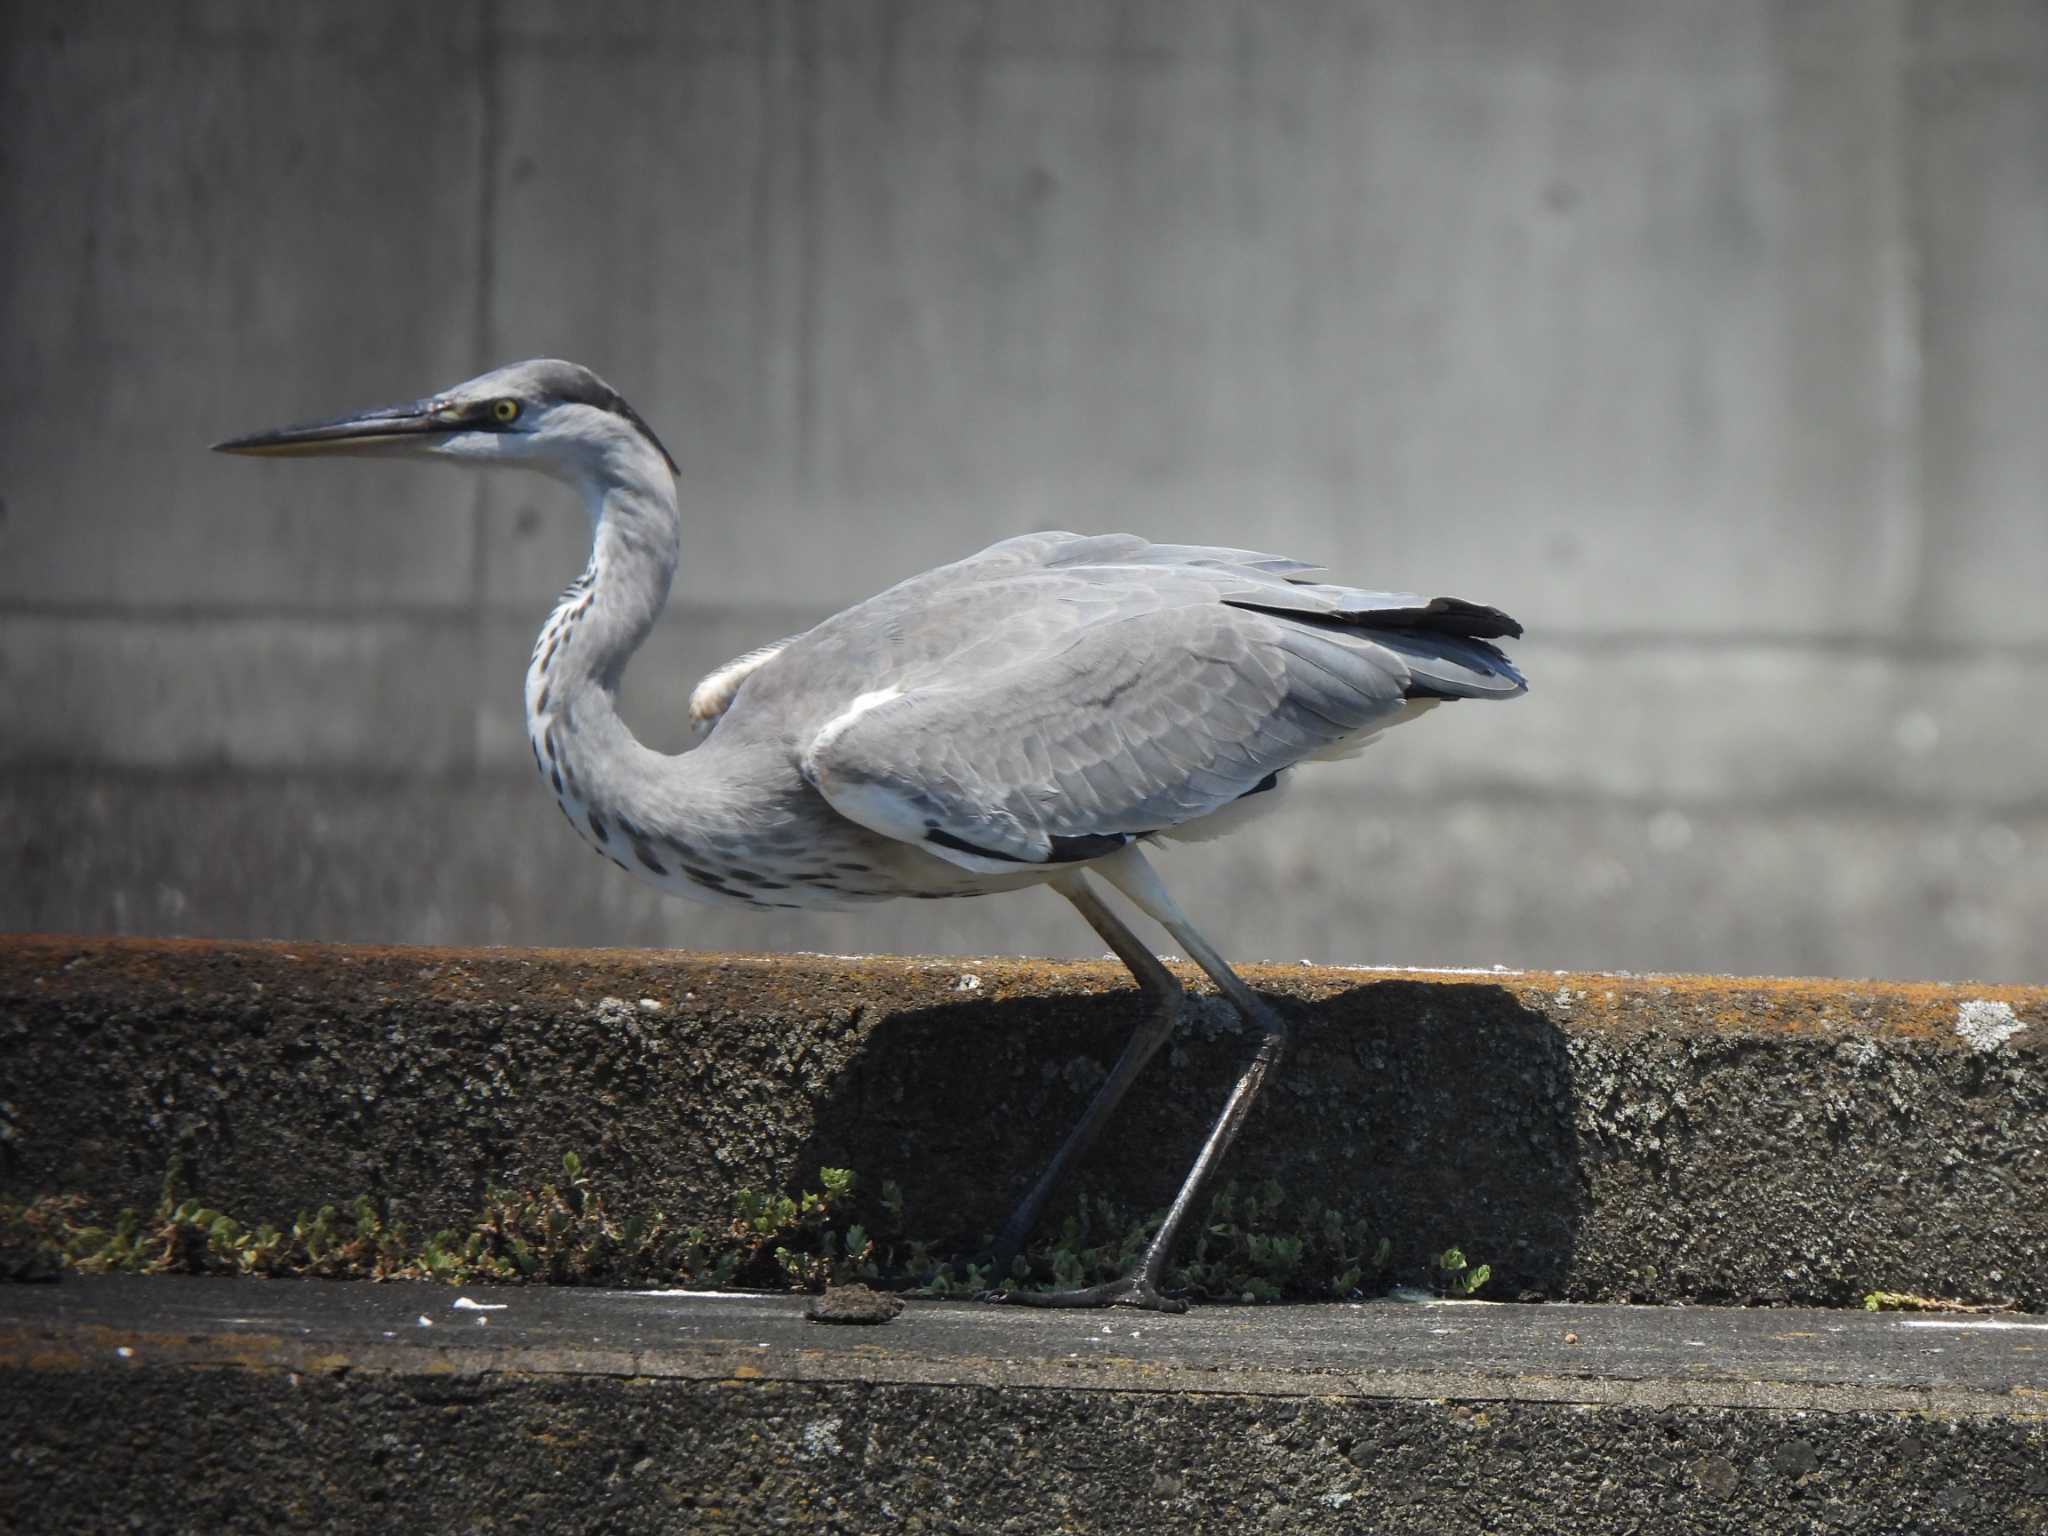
(1708,340)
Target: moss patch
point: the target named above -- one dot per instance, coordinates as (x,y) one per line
(1254,1245)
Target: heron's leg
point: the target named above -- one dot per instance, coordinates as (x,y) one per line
(1130,873)
(1162,993)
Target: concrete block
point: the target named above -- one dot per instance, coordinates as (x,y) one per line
(1799,891)
(1610,314)
(1650,726)
(1979,146)
(1518,319)
(1754,724)
(332,1404)
(220,219)
(1588,1136)
(1348,877)
(1700,341)
(240,695)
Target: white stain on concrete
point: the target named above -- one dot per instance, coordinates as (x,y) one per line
(821,1439)
(1987,1025)
(613,1010)
(676,1290)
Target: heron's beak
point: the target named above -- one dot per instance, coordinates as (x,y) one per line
(416,425)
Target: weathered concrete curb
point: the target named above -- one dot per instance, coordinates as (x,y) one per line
(1590,1136)
(230,1405)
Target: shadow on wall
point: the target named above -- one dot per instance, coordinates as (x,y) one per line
(1442,1114)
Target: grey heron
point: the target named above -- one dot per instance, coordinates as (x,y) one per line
(1030,715)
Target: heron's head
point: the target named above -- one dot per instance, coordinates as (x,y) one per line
(544,414)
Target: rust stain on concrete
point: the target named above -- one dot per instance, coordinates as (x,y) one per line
(55,966)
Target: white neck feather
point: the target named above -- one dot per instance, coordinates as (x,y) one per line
(572,682)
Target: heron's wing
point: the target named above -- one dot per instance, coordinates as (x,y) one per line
(1071,707)
(1275,582)
(1053,550)
(714,695)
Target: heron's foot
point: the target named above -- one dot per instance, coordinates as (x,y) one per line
(1131,1291)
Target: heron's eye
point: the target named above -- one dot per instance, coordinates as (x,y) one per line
(505,410)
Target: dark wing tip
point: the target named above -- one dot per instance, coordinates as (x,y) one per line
(1455,616)
(1063,850)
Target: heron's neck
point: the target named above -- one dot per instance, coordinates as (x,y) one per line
(572,684)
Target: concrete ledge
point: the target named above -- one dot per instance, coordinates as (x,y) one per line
(227,1405)
(1589,1136)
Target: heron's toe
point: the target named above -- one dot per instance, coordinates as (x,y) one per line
(1131,1291)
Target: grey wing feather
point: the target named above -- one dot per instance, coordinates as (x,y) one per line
(1129,549)
(1053,550)
(1114,688)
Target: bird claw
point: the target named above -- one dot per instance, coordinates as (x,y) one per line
(1131,1291)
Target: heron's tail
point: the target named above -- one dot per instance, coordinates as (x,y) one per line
(1446,641)
(1449,666)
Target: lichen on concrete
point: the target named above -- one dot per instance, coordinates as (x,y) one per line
(1986,1023)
